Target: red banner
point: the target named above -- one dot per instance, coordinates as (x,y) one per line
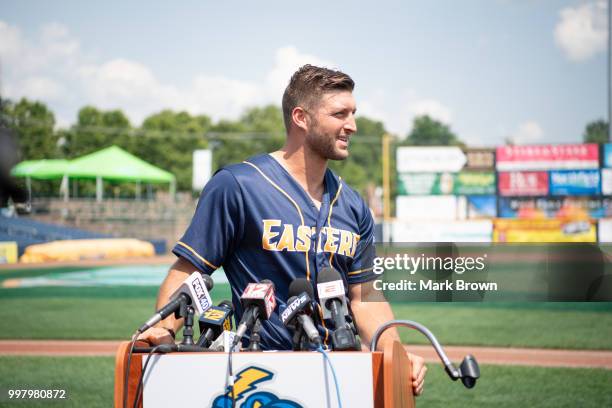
(548,157)
(523,183)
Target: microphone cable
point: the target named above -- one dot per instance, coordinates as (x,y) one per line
(126,373)
(229,380)
(142,373)
(329,363)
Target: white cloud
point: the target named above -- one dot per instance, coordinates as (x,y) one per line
(222,97)
(41,88)
(11,42)
(287,60)
(582,31)
(435,109)
(57,42)
(54,69)
(528,132)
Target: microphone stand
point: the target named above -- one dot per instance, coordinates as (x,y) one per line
(188,330)
(255,345)
(187,312)
(298,338)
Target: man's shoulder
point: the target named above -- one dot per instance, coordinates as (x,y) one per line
(349,196)
(244,169)
(348,192)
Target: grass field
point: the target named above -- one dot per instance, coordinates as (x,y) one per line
(89,383)
(115,312)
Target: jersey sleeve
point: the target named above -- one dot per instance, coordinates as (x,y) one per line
(363,261)
(215,228)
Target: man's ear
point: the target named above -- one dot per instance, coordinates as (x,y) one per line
(299,118)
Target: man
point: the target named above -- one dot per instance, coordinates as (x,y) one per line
(284,215)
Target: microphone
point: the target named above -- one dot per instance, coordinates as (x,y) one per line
(258,302)
(193,292)
(225,342)
(214,321)
(299,308)
(332,296)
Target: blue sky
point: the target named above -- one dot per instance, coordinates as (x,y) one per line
(531,70)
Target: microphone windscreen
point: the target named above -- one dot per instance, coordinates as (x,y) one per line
(270,282)
(208,281)
(227,304)
(300,285)
(328,274)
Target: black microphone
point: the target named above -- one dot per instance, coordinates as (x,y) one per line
(332,295)
(258,302)
(299,309)
(214,321)
(193,292)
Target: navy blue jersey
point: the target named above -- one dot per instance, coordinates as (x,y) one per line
(256,221)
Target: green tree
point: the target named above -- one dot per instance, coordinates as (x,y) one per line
(257,131)
(268,119)
(364,164)
(596,132)
(430,132)
(95,130)
(33,125)
(167,139)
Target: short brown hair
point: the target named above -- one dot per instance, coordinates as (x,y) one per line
(308,84)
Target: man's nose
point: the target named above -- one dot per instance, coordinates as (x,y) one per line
(351,124)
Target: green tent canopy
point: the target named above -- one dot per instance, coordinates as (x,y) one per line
(111,163)
(114,163)
(40,169)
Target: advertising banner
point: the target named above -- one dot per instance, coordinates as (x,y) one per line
(443,207)
(474,183)
(523,183)
(481,207)
(604,230)
(464,183)
(480,159)
(430,159)
(607,153)
(576,208)
(606,181)
(8,252)
(574,182)
(202,169)
(457,231)
(547,157)
(542,231)
(425,183)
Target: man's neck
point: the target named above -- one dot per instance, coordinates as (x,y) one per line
(306,168)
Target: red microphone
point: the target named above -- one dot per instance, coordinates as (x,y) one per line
(258,303)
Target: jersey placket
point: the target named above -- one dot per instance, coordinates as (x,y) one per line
(321,217)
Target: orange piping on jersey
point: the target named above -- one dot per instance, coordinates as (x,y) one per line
(360,270)
(292,201)
(331,207)
(201,258)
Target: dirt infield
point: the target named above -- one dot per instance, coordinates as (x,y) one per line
(484,355)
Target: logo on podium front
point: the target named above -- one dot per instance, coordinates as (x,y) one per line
(246,394)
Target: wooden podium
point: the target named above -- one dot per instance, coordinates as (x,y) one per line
(384,378)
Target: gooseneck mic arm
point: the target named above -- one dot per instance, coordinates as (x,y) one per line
(469,371)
